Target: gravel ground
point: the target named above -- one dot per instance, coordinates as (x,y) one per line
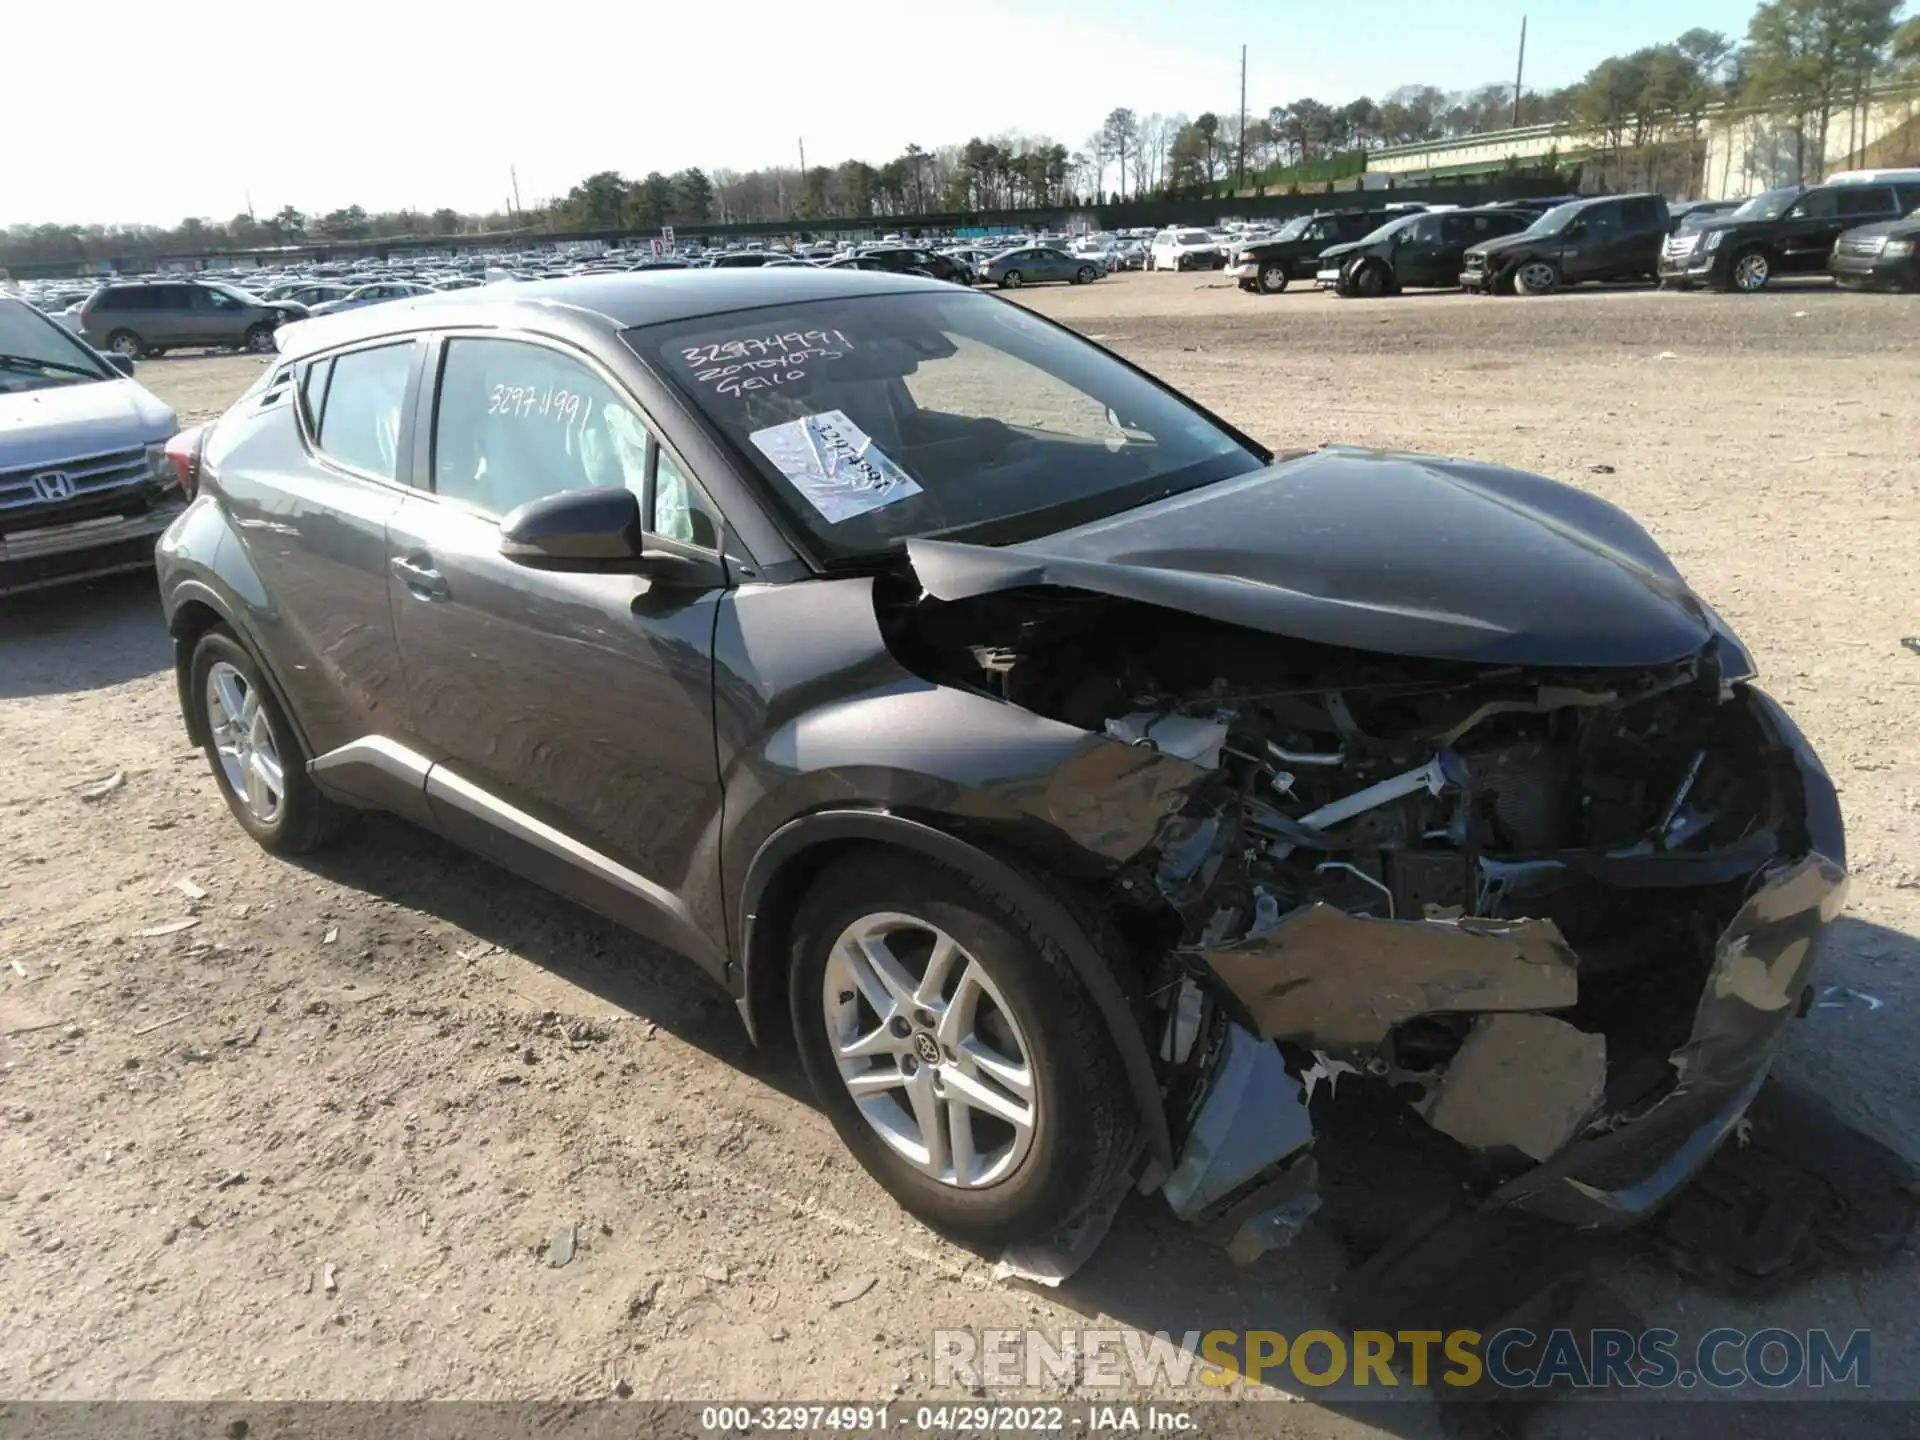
(392,1124)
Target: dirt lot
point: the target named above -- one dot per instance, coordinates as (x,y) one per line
(321,1141)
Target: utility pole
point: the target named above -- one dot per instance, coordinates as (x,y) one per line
(1240,160)
(803,160)
(1519,71)
(250,214)
(514,175)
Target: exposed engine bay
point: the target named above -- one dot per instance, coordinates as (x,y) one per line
(1461,882)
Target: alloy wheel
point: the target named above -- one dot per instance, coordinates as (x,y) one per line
(1751,272)
(1011,280)
(930,1050)
(127,345)
(1536,276)
(243,739)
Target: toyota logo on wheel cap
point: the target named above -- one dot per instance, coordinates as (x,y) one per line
(52,484)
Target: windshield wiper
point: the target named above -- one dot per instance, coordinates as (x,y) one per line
(21,362)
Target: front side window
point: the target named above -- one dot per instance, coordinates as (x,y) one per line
(874,419)
(1815,205)
(518,422)
(359,422)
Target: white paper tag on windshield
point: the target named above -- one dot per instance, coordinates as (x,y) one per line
(835,465)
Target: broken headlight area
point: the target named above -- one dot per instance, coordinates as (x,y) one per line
(1521,900)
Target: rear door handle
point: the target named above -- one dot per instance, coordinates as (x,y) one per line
(422,579)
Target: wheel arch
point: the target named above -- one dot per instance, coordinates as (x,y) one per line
(790,859)
(195,609)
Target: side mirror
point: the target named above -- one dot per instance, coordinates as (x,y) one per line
(598,531)
(123,363)
(595,529)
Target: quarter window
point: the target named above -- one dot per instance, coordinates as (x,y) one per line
(359,424)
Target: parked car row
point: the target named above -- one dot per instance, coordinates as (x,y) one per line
(1861,227)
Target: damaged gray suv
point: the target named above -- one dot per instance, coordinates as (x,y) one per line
(1083,787)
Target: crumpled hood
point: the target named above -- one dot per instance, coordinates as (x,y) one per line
(1341,251)
(64,422)
(1400,554)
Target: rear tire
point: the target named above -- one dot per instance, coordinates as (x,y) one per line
(1027,1016)
(1012,280)
(254,751)
(125,342)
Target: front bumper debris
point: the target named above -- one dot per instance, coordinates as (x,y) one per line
(1527,1088)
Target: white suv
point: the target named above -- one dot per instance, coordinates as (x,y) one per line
(1185,250)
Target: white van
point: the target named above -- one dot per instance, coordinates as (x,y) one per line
(1185,250)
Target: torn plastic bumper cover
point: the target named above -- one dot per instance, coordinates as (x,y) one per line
(1525,1083)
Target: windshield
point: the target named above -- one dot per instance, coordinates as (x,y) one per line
(1770,205)
(1555,220)
(1294,228)
(881,418)
(36,353)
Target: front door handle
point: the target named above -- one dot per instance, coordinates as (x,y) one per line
(421,578)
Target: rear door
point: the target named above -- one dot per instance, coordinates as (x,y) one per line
(571,715)
(310,515)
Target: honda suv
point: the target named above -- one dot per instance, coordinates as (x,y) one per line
(1614,237)
(85,484)
(1066,775)
(150,317)
(1789,231)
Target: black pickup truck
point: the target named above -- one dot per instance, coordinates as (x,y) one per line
(1266,267)
(1606,237)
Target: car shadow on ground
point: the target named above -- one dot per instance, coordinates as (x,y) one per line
(85,636)
(411,867)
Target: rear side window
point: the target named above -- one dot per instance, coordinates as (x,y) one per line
(359,420)
(1864,201)
(1908,198)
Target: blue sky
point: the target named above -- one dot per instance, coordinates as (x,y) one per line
(428,105)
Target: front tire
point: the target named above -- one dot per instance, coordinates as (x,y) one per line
(1272,279)
(1536,277)
(1369,281)
(1084,275)
(1750,271)
(259,339)
(954,1051)
(257,759)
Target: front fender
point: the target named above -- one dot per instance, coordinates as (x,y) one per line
(790,842)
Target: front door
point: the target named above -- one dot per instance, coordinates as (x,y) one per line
(1810,229)
(571,715)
